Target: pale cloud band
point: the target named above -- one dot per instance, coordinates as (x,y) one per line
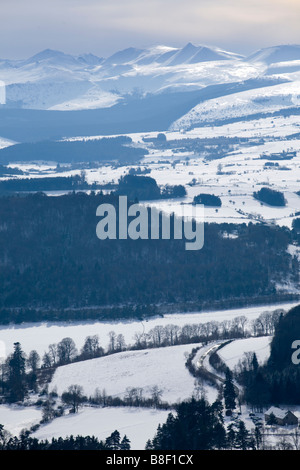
(103,27)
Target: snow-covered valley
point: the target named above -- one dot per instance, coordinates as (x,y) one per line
(236,131)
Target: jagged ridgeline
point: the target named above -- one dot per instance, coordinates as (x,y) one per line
(51,258)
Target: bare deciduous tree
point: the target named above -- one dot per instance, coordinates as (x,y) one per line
(74,397)
(66,350)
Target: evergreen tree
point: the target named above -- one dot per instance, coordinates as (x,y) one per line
(231,436)
(125,443)
(258,437)
(220,436)
(254,363)
(196,426)
(260,392)
(33,362)
(113,441)
(16,374)
(149,445)
(242,437)
(229,391)
(158,438)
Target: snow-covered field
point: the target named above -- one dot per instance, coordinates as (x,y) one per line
(53,80)
(233,178)
(233,352)
(275,126)
(138,424)
(14,418)
(162,367)
(39,336)
(87,81)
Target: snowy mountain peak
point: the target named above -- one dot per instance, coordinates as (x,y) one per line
(52,79)
(192,54)
(189,47)
(51,57)
(124,56)
(281,53)
(48,54)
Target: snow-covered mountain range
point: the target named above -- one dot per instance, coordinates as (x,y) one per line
(53,80)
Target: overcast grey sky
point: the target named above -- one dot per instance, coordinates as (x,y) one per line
(103,27)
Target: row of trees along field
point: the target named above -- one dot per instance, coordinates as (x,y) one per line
(21,372)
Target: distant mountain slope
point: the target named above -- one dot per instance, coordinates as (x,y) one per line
(52,57)
(151,113)
(154,112)
(274,54)
(268,97)
(125,56)
(53,79)
(143,89)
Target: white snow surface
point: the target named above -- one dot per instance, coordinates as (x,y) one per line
(14,418)
(138,424)
(233,352)
(54,80)
(164,367)
(261,100)
(39,336)
(5,143)
(233,178)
